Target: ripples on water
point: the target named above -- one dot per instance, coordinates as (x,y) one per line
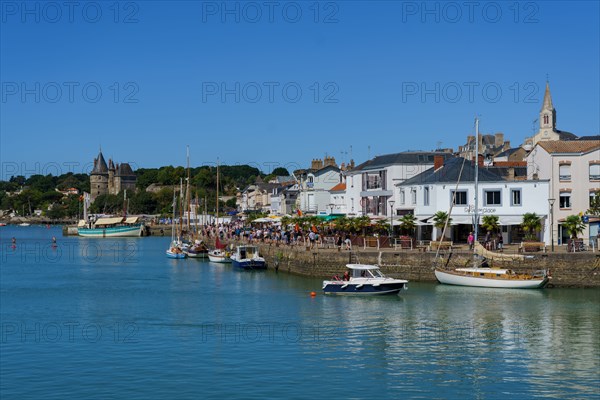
(116,319)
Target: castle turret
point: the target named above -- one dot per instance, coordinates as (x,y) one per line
(99,177)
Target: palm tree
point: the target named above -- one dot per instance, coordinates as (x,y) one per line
(574,225)
(441,219)
(490,223)
(408,222)
(531,223)
(382,227)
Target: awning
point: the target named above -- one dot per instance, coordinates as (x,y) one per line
(132,220)
(108,221)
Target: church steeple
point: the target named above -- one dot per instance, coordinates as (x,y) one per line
(547,113)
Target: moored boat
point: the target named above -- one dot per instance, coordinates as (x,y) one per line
(364,280)
(174,251)
(112,227)
(248,257)
(492,278)
(196,250)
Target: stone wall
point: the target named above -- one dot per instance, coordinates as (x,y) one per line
(568,270)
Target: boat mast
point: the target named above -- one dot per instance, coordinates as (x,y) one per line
(217,213)
(187,190)
(476,223)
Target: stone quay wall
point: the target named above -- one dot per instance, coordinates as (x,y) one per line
(567,269)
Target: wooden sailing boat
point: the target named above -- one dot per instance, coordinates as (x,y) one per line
(194,248)
(218,254)
(174,250)
(480,274)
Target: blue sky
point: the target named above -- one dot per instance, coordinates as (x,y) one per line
(280,83)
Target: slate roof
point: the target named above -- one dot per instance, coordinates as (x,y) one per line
(569,146)
(508,152)
(450,172)
(407,157)
(100,167)
(124,169)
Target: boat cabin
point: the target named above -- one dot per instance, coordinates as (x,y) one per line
(364,271)
(245,252)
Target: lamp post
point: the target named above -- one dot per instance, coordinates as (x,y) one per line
(330,206)
(551,202)
(391,220)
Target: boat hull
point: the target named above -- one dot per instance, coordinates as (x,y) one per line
(354,289)
(170,254)
(249,264)
(117,231)
(196,254)
(219,259)
(450,278)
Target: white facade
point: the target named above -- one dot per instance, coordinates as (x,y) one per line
(508,200)
(370,189)
(573,168)
(314,186)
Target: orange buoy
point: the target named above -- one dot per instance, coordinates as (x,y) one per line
(313,294)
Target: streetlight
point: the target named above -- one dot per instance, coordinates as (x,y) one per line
(551,202)
(391,220)
(330,206)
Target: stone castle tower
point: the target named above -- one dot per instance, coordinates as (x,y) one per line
(110,179)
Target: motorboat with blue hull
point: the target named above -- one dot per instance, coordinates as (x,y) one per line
(248,257)
(364,280)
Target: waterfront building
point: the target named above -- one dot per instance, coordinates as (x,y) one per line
(315,183)
(256,197)
(502,193)
(283,199)
(370,186)
(573,169)
(110,178)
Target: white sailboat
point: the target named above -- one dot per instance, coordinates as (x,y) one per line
(174,250)
(480,274)
(219,253)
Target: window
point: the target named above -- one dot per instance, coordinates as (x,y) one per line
(564,172)
(564,201)
(402,197)
(413,196)
(515,197)
(594,172)
(492,198)
(426,196)
(592,197)
(460,198)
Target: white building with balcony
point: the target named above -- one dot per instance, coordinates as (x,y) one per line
(370,187)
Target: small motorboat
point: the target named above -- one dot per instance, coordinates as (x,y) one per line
(247,257)
(364,280)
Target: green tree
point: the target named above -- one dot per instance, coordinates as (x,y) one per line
(490,223)
(441,219)
(573,225)
(532,224)
(594,205)
(408,223)
(280,171)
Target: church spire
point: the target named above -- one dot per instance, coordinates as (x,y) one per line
(547,104)
(547,113)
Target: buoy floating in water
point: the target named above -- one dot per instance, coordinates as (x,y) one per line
(313,294)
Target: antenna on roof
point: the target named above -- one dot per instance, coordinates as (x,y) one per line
(369,152)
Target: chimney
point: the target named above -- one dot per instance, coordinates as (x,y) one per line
(480,160)
(511,174)
(499,139)
(438,162)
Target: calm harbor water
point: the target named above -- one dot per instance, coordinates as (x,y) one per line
(117,319)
